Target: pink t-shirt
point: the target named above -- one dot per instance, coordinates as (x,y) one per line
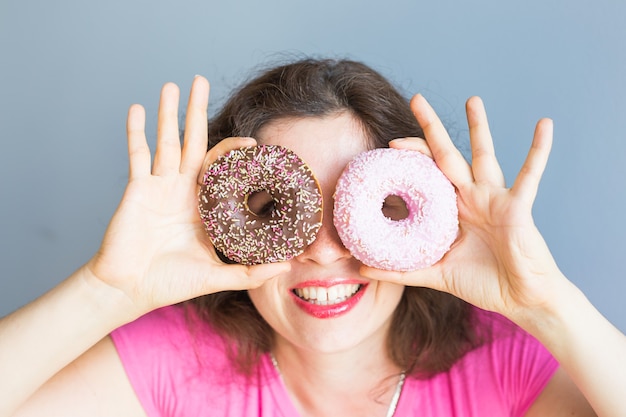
(176,371)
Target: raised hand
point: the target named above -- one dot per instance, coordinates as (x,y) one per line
(155,249)
(500,261)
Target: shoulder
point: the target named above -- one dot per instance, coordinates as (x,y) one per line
(502,376)
(511,365)
(167,332)
(169,356)
(94,384)
(156,324)
(510,353)
(170,336)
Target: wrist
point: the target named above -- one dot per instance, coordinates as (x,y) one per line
(586,345)
(106,303)
(556,320)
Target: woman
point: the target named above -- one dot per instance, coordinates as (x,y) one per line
(104,341)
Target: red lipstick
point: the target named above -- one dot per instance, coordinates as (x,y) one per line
(325,311)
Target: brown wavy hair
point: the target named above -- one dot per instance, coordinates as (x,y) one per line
(430,330)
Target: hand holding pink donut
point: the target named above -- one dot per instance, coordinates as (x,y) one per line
(500,261)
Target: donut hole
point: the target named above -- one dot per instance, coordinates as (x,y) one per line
(260,203)
(394,208)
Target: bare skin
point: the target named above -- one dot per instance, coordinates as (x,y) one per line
(56,357)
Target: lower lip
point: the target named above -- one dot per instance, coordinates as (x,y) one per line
(330,311)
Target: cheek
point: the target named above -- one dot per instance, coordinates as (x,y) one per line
(388,296)
(267,301)
(259,297)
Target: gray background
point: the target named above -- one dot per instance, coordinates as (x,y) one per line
(70,69)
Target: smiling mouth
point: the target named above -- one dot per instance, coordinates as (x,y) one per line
(324,296)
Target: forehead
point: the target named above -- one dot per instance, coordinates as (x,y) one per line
(318,140)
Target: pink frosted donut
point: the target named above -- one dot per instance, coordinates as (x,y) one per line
(414,242)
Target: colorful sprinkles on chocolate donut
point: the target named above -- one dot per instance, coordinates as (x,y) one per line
(260,204)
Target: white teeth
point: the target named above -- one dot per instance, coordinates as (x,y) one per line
(332,293)
(325,296)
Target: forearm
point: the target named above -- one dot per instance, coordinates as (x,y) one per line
(43,337)
(588,347)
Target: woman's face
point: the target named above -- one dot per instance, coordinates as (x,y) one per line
(325,268)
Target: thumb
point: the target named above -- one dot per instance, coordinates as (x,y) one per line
(426,277)
(242,277)
(258,274)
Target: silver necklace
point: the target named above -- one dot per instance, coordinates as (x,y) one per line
(394,400)
(396,396)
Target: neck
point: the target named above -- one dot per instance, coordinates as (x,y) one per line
(359,381)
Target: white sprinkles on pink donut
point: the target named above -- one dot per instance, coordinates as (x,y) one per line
(415,242)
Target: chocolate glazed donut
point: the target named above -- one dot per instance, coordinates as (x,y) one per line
(260,204)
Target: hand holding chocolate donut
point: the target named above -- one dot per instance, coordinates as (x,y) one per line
(155,249)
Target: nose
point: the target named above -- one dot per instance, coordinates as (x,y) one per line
(327,247)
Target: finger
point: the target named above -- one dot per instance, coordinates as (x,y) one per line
(167,156)
(196,127)
(241,277)
(138,150)
(222,148)
(527,181)
(485,166)
(426,277)
(415,144)
(446,155)
(258,274)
